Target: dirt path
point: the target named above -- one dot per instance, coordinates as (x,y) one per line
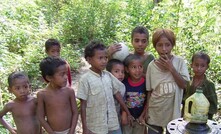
(75,77)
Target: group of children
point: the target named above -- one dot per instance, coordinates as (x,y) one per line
(116,96)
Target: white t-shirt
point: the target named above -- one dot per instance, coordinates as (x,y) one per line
(165,99)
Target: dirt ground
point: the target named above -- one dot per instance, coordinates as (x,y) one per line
(75,77)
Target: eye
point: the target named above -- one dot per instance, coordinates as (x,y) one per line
(144,41)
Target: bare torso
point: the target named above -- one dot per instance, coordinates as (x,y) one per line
(57,108)
(25,118)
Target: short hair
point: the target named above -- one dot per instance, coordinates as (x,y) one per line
(92,46)
(49,65)
(201,55)
(159,33)
(130,58)
(113,62)
(16,75)
(141,30)
(51,42)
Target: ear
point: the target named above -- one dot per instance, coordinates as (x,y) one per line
(191,65)
(48,78)
(88,59)
(126,69)
(10,89)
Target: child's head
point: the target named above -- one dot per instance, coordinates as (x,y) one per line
(134,66)
(200,63)
(96,55)
(54,69)
(116,67)
(52,47)
(19,84)
(139,39)
(163,41)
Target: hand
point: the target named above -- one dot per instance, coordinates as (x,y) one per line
(141,120)
(165,63)
(13,131)
(114,48)
(130,119)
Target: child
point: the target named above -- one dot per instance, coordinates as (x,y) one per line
(135,95)
(200,63)
(57,108)
(116,67)
(166,78)
(96,89)
(139,40)
(53,48)
(23,107)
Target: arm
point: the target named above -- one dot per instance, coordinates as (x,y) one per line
(142,117)
(4,111)
(123,105)
(83,117)
(74,111)
(41,113)
(168,65)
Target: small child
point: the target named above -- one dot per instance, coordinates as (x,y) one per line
(23,107)
(53,48)
(135,95)
(200,63)
(139,41)
(95,91)
(166,78)
(116,67)
(57,108)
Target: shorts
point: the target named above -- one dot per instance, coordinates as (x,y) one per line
(63,132)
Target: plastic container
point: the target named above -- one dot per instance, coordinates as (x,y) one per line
(196,108)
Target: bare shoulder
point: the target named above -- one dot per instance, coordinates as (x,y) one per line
(9,105)
(41,92)
(69,90)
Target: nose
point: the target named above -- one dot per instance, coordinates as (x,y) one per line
(164,47)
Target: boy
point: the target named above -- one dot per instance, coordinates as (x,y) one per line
(57,108)
(135,95)
(166,79)
(96,89)
(200,63)
(116,67)
(139,41)
(53,48)
(23,107)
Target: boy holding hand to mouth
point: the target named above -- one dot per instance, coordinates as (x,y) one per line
(166,78)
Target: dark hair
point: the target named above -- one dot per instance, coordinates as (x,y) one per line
(141,30)
(130,58)
(51,42)
(91,47)
(49,65)
(16,75)
(201,55)
(159,33)
(113,62)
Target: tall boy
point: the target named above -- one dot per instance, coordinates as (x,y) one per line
(23,107)
(57,108)
(96,89)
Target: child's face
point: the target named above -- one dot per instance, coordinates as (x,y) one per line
(164,47)
(199,66)
(20,88)
(118,71)
(135,70)
(139,43)
(98,61)
(54,51)
(60,77)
